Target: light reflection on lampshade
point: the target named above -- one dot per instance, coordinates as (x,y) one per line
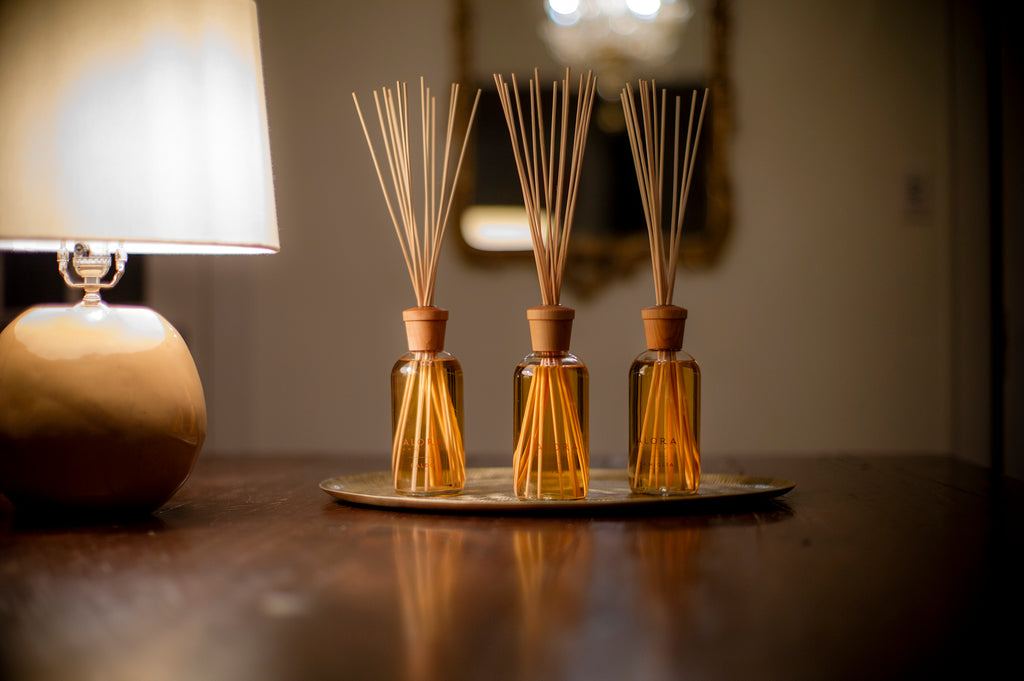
(134,121)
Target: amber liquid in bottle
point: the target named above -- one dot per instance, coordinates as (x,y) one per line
(551,427)
(427,421)
(664,423)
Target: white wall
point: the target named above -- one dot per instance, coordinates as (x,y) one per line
(825,328)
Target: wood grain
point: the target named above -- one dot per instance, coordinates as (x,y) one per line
(879,567)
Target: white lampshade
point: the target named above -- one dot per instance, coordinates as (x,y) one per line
(140,122)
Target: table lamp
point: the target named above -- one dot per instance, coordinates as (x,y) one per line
(126,126)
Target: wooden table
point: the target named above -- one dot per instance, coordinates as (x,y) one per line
(878,568)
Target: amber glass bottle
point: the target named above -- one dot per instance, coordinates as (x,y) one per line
(427,455)
(664,409)
(550,412)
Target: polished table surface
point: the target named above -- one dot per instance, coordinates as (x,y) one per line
(887,567)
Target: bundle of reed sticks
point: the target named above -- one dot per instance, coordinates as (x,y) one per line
(427,451)
(646,132)
(665,456)
(548,195)
(551,458)
(428,455)
(420,241)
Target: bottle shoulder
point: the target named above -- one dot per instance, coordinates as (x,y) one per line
(652,356)
(415,361)
(443,355)
(565,359)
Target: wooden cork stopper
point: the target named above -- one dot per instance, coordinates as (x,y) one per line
(550,327)
(424,328)
(663,326)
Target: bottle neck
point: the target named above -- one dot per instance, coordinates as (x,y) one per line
(427,355)
(551,353)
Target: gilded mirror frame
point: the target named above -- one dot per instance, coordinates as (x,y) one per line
(595,261)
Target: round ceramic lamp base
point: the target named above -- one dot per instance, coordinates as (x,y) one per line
(101,410)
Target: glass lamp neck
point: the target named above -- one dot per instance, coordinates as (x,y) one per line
(91,264)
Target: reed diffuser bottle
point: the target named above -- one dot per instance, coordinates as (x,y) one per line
(664,408)
(550,403)
(427,454)
(426,410)
(551,459)
(664,381)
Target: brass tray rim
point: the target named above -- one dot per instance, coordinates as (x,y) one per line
(489,490)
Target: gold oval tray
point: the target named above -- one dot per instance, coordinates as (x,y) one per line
(490,490)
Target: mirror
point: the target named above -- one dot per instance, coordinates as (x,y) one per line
(609,238)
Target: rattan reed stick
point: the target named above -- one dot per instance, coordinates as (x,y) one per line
(549,195)
(420,240)
(646,131)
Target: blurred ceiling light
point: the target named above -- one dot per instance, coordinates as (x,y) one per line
(496,228)
(617,38)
